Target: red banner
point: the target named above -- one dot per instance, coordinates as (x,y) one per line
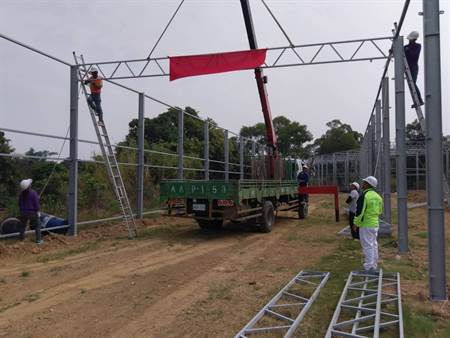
(192,65)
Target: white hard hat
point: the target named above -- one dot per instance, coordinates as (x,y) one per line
(414,35)
(356,185)
(93,69)
(371,180)
(25,184)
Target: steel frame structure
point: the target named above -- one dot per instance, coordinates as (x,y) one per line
(159,66)
(152,67)
(369,304)
(292,296)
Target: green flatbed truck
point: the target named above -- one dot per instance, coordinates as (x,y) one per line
(212,202)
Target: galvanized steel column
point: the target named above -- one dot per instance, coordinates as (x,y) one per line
(433,114)
(241,156)
(73,166)
(140,158)
(226,152)
(346,171)
(180,144)
(400,141)
(206,150)
(386,152)
(378,139)
(334,170)
(417,170)
(253,150)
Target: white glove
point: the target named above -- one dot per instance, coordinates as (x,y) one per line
(39,214)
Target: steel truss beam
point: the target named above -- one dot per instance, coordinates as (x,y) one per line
(286,310)
(278,56)
(369,304)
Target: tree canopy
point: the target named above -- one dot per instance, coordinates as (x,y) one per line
(339,137)
(291,136)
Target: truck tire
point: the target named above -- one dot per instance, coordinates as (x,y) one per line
(302,210)
(205,224)
(267,219)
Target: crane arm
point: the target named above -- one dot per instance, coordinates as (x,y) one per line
(262,90)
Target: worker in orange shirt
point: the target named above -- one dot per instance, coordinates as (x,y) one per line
(94,100)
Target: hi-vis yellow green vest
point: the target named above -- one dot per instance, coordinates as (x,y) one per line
(372,208)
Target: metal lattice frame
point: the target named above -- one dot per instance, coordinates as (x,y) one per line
(286,310)
(369,305)
(159,66)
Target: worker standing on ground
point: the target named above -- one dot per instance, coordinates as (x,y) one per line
(29,210)
(412,53)
(368,210)
(94,100)
(303,180)
(351,201)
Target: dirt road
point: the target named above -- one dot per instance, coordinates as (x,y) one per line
(175,281)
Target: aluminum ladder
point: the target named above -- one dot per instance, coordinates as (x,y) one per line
(420,117)
(108,154)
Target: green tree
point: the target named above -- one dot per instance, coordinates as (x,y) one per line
(7,172)
(291,136)
(414,132)
(338,137)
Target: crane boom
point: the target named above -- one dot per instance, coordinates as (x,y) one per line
(271,136)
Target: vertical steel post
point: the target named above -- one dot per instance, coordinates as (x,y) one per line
(206,150)
(73,166)
(386,152)
(346,171)
(417,170)
(253,149)
(400,141)
(370,152)
(378,143)
(140,158)
(447,163)
(334,170)
(241,156)
(433,114)
(226,152)
(180,144)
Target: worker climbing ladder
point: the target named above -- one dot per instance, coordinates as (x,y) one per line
(420,117)
(108,154)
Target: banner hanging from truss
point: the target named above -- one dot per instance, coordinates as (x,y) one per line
(193,65)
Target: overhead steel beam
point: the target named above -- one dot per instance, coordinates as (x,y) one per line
(159,66)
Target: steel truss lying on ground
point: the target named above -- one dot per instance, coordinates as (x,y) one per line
(286,310)
(369,303)
(159,66)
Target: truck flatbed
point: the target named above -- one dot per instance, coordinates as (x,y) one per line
(211,202)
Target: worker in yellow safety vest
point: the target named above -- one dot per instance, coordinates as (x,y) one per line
(94,100)
(368,210)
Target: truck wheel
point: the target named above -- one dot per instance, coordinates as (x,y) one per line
(302,210)
(210,224)
(268,217)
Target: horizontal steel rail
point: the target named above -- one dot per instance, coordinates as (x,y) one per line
(292,297)
(95,221)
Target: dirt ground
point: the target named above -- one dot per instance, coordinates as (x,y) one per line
(174,281)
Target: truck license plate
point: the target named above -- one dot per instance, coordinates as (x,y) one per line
(199,207)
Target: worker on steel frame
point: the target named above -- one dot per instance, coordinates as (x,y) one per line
(94,99)
(412,53)
(368,210)
(303,180)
